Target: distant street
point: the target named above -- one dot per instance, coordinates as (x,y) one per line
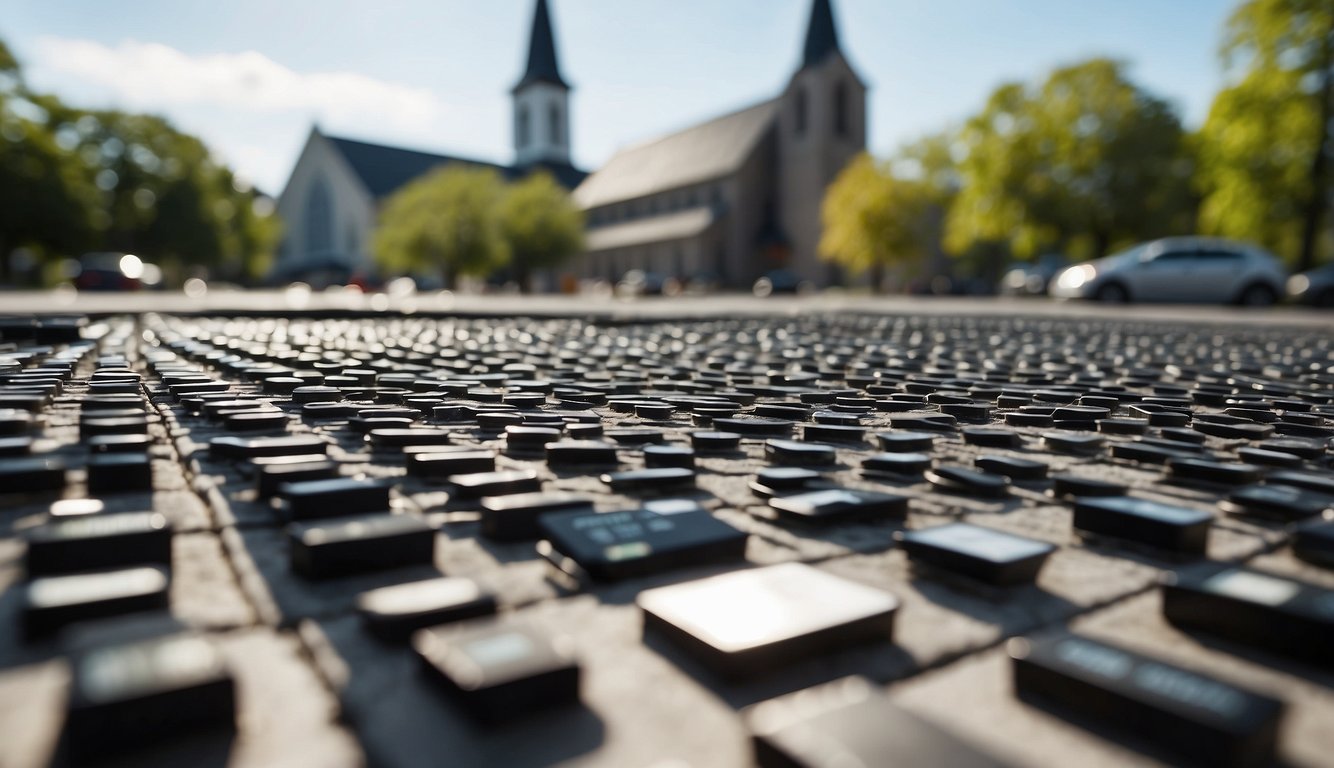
(653,307)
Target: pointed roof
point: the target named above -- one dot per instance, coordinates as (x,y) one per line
(384,169)
(821,34)
(664,228)
(703,152)
(542,66)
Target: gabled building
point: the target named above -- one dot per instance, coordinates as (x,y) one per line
(332,199)
(730,199)
(739,196)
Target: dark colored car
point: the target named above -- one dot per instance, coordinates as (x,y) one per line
(1314,288)
(1033,279)
(637,282)
(109,272)
(781,281)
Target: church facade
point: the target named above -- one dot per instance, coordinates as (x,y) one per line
(726,201)
(739,196)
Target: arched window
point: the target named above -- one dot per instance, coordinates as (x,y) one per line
(319,219)
(553,120)
(801,111)
(523,129)
(841,121)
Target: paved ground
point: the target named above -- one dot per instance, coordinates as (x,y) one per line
(1251,393)
(722,305)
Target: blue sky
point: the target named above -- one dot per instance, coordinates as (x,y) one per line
(250,76)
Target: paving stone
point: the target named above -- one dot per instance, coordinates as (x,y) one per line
(963,691)
(1009,396)
(285,714)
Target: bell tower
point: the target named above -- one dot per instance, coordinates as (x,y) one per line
(821,127)
(541,100)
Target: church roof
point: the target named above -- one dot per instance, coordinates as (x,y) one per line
(542,66)
(703,152)
(666,227)
(821,34)
(384,170)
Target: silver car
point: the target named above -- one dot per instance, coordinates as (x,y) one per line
(1178,269)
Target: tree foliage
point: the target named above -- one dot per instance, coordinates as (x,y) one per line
(448,220)
(47,198)
(465,220)
(874,219)
(73,180)
(1264,149)
(541,225)
(930,159)
(8,64)
(1082,162)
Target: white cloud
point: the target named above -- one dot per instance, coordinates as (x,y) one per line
(156,76)
(254,112)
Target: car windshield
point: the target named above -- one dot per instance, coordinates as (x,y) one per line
(1129,255)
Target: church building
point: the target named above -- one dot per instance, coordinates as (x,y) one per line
(332,199)
(736,197)
(727,201)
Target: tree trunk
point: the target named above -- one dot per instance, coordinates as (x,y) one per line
(1318,202)
(523,275)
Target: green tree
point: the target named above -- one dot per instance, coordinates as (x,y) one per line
(9,66)
(930,159)
(167,199)
(73,180)
(1085,161)
(449,220)
(46,194)
(541,225)
(256,230)
(874,219)
(1265,147)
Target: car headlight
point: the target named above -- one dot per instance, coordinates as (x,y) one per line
(1075,278)
(1297,284)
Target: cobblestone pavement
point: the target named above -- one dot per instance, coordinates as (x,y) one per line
(292,302)
(946,539)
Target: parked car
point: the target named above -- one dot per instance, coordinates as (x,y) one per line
(1315,287)
(700,284)
(638,282)
(115,272)
(781,281)
(1178,269)
(326,276)
(1033,279)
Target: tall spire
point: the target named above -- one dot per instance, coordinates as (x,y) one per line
(821,34)
(542,67)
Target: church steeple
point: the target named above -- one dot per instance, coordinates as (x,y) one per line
(821,127)
(821,35)
(541,100)
(542,66)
